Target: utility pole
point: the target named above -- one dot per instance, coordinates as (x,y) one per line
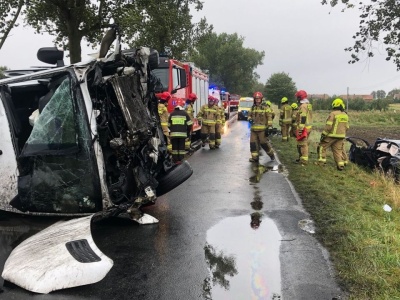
(347,100)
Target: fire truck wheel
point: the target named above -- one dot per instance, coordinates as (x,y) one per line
(174,178)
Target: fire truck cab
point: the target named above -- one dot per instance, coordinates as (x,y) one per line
(180,79)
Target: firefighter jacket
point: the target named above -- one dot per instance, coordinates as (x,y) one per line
(336,125)
(190,110)
(285,114)
(271,115)
(294,116)
(304,116)
(163,113)
(259,116)
(209,115)
(179,123)
(222,114)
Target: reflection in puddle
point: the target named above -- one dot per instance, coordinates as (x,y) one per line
(259,169)
(245,264)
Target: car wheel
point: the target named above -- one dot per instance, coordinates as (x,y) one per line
(175,177)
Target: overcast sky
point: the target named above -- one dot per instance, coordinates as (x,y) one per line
(299,37)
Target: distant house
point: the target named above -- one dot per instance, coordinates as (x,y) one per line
(367,98)
(396,96)
(318,96)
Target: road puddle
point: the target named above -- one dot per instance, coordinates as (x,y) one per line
(243,259)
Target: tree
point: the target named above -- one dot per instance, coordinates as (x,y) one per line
(71,21)
(280,85)
(9,13)
(380,23)
(164,24)
(380,94)
(230,64)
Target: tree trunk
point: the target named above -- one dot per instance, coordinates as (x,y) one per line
(74,46)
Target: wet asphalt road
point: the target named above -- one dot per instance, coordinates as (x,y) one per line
(207,244)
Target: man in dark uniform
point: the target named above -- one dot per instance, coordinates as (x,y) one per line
(180,126)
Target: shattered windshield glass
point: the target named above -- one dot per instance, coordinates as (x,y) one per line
(162,75)
(54,131)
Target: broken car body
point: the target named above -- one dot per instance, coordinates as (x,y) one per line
(383,155)
(84,139)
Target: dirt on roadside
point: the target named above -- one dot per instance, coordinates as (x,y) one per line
(370,134)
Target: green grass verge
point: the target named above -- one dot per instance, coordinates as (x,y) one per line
(347,207)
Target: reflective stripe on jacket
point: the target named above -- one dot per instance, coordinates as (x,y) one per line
(163,113)
(190,110)
(260,117)
(179,123)
(209,115)
(337,124)
(286,114)
(304,116)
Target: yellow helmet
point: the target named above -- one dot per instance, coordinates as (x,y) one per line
(284,99)
(337,103)
(268,103)
(294,106)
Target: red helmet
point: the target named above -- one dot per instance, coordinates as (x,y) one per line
(210,98)
(165,96)
(300,95)
(257,95)
(192,97)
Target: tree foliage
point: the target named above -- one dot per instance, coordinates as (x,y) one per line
(230,64)
(164,22)
(279,85)
(9,13)
(379,24)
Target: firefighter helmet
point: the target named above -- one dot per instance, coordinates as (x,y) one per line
(284,99)
(294,106)
(192,97)
(257,95)
(268,103)
(165,96)
(337,103)
(301,95)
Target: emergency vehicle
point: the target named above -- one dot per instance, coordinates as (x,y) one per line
(169,72)
(229,101)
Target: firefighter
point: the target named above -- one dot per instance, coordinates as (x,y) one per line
(293,128)
(208,116)
(304,126)
(190,110)
(270,112)
(285,119)
(180,126)
(333,134)
(219,127)
(259,120)
(163,113)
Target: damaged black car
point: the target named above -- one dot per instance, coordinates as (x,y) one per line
(383,155)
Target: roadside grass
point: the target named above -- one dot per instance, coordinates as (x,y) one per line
(347,207)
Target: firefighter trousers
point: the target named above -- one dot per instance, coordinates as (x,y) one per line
(302,149)
(285,130)
(208,131)
(218,134)
(178,148)
(166,134)
(336,144)
(257,139)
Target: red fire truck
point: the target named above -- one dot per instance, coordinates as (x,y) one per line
(180,79)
